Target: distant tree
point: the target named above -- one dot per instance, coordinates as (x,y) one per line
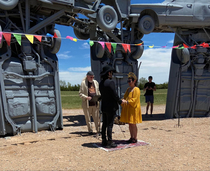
(68,87)
(142,82)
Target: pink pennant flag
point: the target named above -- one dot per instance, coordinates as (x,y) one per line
(69,37)
(109,46)
(38,37)
(7,37)
(175,47)
(0,37)
(102,44)
(129,47)
(125,47)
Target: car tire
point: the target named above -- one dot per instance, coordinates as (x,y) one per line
(99,50)
(107,18)
(183,55)
(137,51)
(146,24)
(8,4)
(81,35)
(56,43)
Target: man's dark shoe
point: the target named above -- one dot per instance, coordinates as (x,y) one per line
(104,143)
(146,114)
(111,144)
(90,133)
(129,141)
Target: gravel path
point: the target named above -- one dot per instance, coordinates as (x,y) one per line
(171,147)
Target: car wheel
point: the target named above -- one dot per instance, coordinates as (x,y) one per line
(99,50)
(183,55)
(146,24)
(137,51)
(8,4)
(81,35)
(107,18)
(56,44)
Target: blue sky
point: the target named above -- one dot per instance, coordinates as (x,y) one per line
(74,57)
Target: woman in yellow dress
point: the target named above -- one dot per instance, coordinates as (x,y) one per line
(131,108)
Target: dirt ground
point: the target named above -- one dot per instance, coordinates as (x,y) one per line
(171,147)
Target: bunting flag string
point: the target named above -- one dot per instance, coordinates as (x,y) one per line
(109,45)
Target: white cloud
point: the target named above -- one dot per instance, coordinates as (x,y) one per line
(156,62)
(85,46)
(80,69)
(171,41)
(64,55)
(72,77)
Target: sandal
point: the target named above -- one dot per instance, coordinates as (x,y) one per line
(134,140)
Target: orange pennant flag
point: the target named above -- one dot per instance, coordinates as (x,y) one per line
(55,35)
(7,37)
(109,46)
(125,47)
(38,37)
(185,46)
(194,47)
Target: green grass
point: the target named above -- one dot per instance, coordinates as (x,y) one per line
(71,99)
(159,97)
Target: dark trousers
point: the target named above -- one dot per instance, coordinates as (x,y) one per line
(108,121)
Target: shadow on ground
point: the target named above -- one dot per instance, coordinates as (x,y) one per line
(154,117)
(77,120)
(82,133)
(89,145)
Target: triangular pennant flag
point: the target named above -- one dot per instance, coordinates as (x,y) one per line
(165,46)
(139,44)
(38,37)
(7,37)
(185,46)
(102,44)
(91,43)
(30,38)
(75,40)
(0,37)
(109,46)
(205,45)
(55,35)
(49,35)
(151,46)
(175,47)
(114,45)
(129,47)
(125,47)
(18,38)
(194,47)
(69,37)
(180,47)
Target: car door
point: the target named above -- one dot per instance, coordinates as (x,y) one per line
(179,12)
(201,12)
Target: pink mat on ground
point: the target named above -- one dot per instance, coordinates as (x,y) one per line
(121,144)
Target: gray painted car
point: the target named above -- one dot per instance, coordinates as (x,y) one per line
(182,14)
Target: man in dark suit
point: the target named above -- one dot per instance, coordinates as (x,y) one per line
(110,101)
